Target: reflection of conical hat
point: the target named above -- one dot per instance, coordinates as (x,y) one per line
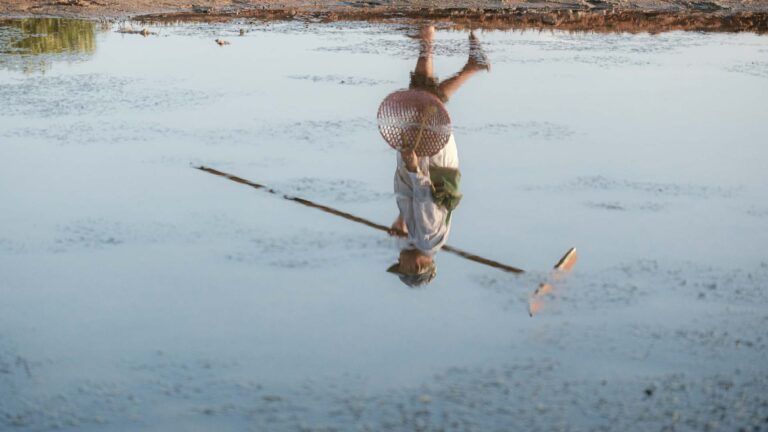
(417,119)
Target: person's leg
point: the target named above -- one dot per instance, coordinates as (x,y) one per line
(477,57)
(424,63)
(449,86)
(476,61)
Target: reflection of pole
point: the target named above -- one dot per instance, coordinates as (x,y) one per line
(353,218)
(566,263)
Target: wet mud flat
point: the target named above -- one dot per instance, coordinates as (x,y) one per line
(613,21)
(140,293)
(599,15)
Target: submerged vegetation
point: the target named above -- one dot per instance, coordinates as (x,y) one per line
(32,37)
(52,35)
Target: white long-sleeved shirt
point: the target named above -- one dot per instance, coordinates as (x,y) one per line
(426,221)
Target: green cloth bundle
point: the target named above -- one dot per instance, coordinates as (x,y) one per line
(445,188)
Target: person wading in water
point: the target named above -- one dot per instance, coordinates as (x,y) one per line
(426,188)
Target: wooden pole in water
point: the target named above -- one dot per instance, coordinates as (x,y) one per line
(353,218)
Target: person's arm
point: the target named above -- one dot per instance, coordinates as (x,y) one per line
(430,230)
(422,185)
(403,198)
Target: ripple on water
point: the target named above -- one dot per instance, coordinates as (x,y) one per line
(602,183)
(95,94)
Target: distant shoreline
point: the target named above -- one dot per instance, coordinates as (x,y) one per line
(576,15)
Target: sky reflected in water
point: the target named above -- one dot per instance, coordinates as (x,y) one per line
(128,273)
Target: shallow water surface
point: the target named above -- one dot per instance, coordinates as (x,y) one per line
(139,293)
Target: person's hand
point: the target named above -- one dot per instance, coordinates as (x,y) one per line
(410,159)
(398,228)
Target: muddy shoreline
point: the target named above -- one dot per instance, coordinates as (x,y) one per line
(583,15)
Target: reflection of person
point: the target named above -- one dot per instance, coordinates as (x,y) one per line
(426,188)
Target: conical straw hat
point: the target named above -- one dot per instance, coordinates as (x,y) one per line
(417,119)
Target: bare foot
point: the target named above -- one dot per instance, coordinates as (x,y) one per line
(427,32)
(477,59)
(425,35)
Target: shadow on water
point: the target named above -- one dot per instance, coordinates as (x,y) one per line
(34,39)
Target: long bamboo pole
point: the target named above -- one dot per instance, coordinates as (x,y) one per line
(358,219)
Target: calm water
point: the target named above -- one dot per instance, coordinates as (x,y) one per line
(138,292)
